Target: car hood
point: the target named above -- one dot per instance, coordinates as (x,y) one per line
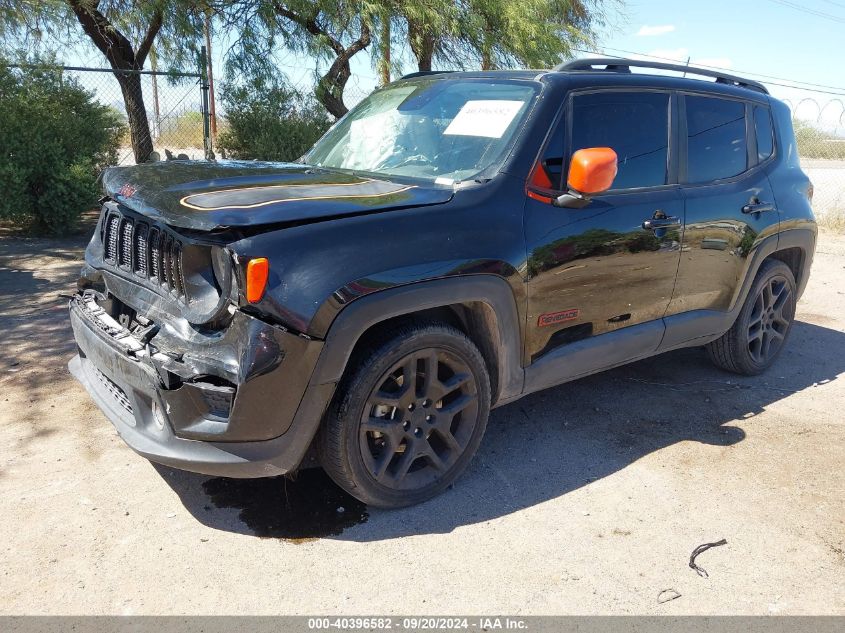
(208,195)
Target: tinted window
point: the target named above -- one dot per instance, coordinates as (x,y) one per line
(552,159)
(716,139)
(634,125)
(763,130)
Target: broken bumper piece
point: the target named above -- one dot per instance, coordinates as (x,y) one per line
(259,425)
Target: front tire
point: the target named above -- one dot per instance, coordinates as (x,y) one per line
(763,325)
(408,418)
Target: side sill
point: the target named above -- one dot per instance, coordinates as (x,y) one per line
(593,355)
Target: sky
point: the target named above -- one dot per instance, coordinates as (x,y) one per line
(790,41)
(793,42)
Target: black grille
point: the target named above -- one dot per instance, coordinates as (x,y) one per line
(148,252)
(219,402)
(116,392)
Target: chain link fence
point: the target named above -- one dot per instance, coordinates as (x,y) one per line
(820,132)
(175,105)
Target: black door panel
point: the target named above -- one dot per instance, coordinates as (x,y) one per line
(612,264)
(733,209)
(717,240)
(599,266)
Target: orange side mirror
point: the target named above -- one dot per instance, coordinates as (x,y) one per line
(592,170)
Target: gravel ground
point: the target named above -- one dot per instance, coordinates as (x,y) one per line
(587,498)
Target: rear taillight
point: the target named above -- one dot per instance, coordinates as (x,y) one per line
(257,272)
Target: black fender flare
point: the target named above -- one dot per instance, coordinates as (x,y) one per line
(801,238)
(374,308)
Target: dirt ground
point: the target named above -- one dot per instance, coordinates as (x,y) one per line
(587,498)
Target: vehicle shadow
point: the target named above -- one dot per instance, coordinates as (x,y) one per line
(539,448)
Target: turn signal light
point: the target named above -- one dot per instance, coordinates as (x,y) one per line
(257,271)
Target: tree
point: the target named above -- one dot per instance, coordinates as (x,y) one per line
(500,33)
(268,120)
(54,138)
(124,31)
(428,24)
(492,33)
(331,30)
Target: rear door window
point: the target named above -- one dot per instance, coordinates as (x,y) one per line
(717,146)
(634,124)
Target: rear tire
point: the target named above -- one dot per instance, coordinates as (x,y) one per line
(763,325)
(408,417)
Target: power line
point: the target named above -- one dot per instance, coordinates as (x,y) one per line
(730,70)
(821,14)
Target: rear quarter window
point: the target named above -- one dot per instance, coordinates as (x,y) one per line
(763,132)
(717,146)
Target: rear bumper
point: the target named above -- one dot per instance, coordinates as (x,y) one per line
(153,420)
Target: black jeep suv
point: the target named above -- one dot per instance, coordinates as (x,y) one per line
(457,241)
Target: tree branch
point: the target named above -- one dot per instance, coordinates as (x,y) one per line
(311,25)
(111,42)
(147,43)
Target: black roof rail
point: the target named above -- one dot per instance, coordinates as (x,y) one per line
(423,73)
(621,65)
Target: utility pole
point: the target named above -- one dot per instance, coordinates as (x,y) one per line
(156,109)
(212,110)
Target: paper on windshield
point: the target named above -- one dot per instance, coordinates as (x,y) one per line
(488,118)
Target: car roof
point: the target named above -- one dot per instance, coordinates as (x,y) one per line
(616,73)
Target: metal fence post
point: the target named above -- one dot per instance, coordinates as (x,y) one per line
(204,87)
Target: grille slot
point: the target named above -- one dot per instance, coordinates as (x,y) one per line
(155,253)
(125,253)
(141,250)
(116,392)
(166,245)
(110,243)
(176,264)
(149,252)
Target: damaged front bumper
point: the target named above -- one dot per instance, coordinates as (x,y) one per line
(235,402)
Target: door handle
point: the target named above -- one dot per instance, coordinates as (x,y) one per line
(653,224)
(758,207)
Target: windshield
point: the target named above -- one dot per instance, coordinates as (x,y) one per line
(443,130)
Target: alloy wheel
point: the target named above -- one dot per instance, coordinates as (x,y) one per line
(419,419)
(769,322)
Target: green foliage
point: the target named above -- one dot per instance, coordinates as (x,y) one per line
(267,120)
(500,33)
(332,31)
(51,24)
(814,143)
(54,138)
(124,31)
(454,35)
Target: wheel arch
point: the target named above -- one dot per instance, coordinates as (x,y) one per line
(796,258)
(482,306)
(795,247)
